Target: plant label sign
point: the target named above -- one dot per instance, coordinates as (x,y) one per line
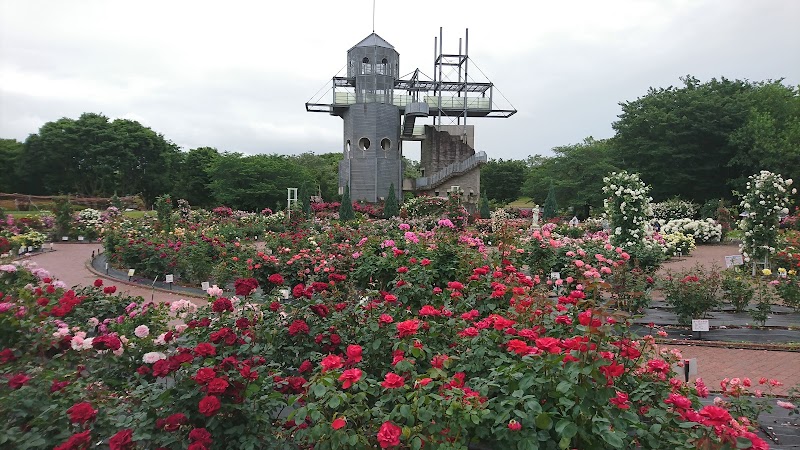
(64,238)
(80,238)
(204,285)
(734,260)
(555,275)
(170,278)
(700,325)
(131,272)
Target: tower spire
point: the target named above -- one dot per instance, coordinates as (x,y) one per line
(373,16)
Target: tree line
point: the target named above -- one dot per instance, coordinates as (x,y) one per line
(698,141)
(95,156)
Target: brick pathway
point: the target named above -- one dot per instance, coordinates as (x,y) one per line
(68,263)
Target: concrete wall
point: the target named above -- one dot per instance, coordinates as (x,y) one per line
(445,147)
(370,171)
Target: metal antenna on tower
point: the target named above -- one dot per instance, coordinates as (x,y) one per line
(373,16)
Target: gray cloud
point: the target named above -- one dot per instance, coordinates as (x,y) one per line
(237,77)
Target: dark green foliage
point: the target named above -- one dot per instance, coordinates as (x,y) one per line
(550,204)
(391,208)
(502,180)
(346,208)
(484,207)
(10,152)
(164,206)
(305,200)
(700,140)
(63,214)
(95,156)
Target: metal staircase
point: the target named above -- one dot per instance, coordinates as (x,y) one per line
(451,171)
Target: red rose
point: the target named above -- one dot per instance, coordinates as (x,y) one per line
(276,278)
(76,441)
(18,380)
(107,342)
(517,346)
(513,425)
(349,377)
(200,435)
(209,405)
(222,304)
(354,354)
(331,362)
(7,355)
(197,446)
(549,344)
(245,286)
(298,326)
(204,375)
(98,282)
(389,435)
(305,366)
(123,440)
(393,381)
(109,289)
(205,349)
(338,423)
(408,328)
(714,415)
(81,413)
(174,422)
(217,386)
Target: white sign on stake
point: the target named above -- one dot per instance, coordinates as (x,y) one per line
(169,278)
(700,325)
(555,275)
(131,272)
(734,260)
(80,238)
(204,285)
(64,238)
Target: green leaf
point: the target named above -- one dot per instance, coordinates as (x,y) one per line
(334,402)
(543,421)
(742,442)
(564,387)
(613,439)
(566,428)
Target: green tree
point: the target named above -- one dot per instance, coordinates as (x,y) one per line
(254,182)
(305,200)
(10,152)
(484,207)
(550,204)
(93,156)
(323,171)
(699,140)
(586,164)
(391,208)
(195,177)
(346,208)
(502,179)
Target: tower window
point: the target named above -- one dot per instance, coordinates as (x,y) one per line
(386,144)
(363,143)
(383,67)
(366,67)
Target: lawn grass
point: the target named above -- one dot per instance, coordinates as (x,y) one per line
(522,202)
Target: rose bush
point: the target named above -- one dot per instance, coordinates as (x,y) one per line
(387,334)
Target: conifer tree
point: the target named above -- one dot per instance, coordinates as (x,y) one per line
(550,204)
(346,208)
(391,208)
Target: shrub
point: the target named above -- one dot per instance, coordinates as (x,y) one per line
(737,289)
(693,293)
(766,197)
(627,207)
(703,231)
(674,208)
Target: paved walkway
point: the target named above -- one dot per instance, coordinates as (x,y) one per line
(69,263)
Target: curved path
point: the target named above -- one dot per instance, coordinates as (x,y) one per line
(69,263)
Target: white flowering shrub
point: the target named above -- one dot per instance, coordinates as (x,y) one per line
(703,231)
(627,207)
(674,208)
(678,243)
(499,217)
(766,198)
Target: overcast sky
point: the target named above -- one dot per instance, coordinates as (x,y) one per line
(235,75)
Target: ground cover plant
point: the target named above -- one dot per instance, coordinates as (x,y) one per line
(401,333)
